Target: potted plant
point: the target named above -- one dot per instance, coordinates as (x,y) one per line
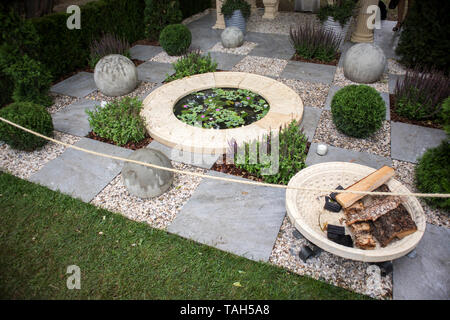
(235,13)
(336,16)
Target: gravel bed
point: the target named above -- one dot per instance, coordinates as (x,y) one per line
(158,212)
(60,101)
(242,50)
(395,68)
(280,25)
(405,172)
(379,143)
(261,65)
(357,276)
(312,93)
(341,81)
(141,89)
(163,57)
(23,164)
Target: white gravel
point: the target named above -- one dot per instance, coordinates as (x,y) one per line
(141,89)
(312,93)
(395,68)
(280,25)
(341,81)
(23,164)
(60,101)
(379,143)
(242,50)
(163,57)
(352,275)
(261,65)
(158,212)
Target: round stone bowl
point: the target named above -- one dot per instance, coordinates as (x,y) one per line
(162,124)
(304,209)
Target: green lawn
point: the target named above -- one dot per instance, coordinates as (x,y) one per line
(42,232)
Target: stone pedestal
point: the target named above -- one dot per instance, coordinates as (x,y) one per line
(270,9)
(362,32)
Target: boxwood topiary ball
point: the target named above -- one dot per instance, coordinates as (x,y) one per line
(28,115)
(175,39)
(358,110)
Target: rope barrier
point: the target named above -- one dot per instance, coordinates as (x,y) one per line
(260,184)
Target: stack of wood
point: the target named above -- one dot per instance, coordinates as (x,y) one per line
(383,218)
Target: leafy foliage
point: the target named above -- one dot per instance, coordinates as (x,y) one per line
(108,44)
(192,63)
(292,153)
(433,174)
(119,121)
(191,7)
(420,95)
(340,11)
(222,108)
(445,115)
(28,115)
(358,110)
(312,41)
(175,39)
(425,39)
(229,6)
(158,14)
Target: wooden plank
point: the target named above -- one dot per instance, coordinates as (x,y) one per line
(369,183)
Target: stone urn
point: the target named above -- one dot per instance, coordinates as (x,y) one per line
(271,9)
(336,27)
(236,20)
(115,75)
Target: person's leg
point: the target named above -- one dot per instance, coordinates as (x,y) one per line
(401,14)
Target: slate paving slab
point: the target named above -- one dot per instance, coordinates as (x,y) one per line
(240,219)
(197,159)
(73,119)
(154,71)
(226,61)
(144,52)
(345,155)
(393,81)
(78,85)
(425,275)
(311,117)
(79,174)
(386,39)
(409,142)
(270,45)
(312,72)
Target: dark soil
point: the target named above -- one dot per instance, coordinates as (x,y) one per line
(130,145)
(233,170)
(334,62)
(397,118)
(146,42)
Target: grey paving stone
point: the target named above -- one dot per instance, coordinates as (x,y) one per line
(409,142)
(73,118)
(226,61)
(196,159)
(144,52)
(79,85)
(310,120)
(345,155)
(426,276)
(309,72)
(393,81)
(79,174)
(386,39)
(240,219)
(270,45)
(154,71)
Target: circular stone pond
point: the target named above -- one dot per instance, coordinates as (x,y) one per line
(271,105)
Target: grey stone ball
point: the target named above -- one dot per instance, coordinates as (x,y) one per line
(115,75)
(232,37)
(146,182)
(364,63)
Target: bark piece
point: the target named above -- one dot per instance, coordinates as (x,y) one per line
(363,236)
(378,207)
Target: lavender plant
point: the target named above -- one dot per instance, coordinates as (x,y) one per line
(107,44)
(420,95)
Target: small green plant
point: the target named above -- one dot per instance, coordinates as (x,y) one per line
(292,151)
(445,115)
(433,174)
(107,44)
(175,39)
(229,6)
(340,11)
(192,63)
(28,115)
(158,14)
(358,110)
(119,121)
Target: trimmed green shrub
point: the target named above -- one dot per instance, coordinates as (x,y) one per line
(445,115)
(158,14)
(433,174)
(108,44)
(30,116)
(425,39)
(175,39)
(292,153)
(119,121)
(358,110)
(192,63)
(229,6)
(191,7)
(6,89)
(341,11)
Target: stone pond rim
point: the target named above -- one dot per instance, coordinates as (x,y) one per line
(162,124)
